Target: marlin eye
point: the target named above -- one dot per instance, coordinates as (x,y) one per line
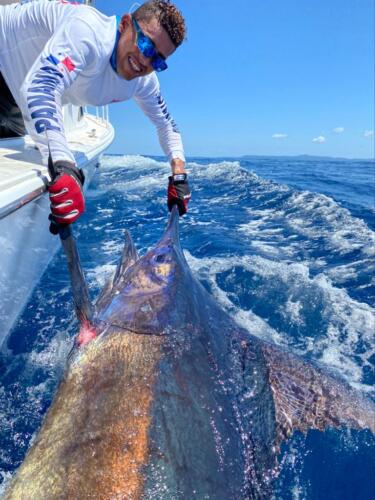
(160,258)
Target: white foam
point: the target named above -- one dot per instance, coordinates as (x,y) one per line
(101,274)
(106,213)
(54,355)
(292,311)
(138,162)
(207,269)
(6,478)
(112,247)
(316,216)
(312,224)
(142,183)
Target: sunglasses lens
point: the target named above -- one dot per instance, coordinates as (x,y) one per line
(146,47)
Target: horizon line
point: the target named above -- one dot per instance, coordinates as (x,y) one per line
(305,156)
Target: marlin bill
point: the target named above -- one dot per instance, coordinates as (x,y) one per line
(166,397)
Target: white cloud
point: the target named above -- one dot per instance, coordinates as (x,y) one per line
(368,133)
(338,130)
(319,139)
(280,136)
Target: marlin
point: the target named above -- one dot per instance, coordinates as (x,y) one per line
(165,396)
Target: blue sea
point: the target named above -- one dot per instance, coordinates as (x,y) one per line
(285,245)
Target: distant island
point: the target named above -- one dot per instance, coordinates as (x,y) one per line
(305,157)
(251,157)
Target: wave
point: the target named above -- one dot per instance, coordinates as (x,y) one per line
(109,162)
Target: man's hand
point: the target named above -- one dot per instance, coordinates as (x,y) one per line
(179,192)
(65,193)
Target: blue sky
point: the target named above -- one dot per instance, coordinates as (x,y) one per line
(267,77)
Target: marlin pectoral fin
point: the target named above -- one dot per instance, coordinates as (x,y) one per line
(128,258)
(306,398)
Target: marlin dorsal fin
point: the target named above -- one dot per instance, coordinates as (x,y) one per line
(128,258)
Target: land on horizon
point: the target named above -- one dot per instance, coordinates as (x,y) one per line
(304,157)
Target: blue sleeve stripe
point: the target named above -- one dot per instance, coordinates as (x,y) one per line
(53,59)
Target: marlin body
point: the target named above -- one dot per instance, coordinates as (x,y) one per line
(168,398)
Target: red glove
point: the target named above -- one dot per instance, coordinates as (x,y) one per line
(66,194)
(179,192)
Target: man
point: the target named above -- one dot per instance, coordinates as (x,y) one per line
(53,53)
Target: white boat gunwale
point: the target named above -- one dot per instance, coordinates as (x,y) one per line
(21,202)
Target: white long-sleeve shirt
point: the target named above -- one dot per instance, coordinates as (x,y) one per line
(53,53)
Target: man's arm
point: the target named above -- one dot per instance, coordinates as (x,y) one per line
(178,166)
(72,48)
(150,100)
(152,103)
(66,54)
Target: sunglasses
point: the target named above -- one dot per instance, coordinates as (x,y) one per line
(147,47)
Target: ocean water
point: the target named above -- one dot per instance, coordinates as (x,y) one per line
(285,245)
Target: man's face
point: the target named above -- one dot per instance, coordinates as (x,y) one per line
(131,63)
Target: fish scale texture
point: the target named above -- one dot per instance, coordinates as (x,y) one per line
(87,449)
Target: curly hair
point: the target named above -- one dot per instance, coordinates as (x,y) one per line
(169,17)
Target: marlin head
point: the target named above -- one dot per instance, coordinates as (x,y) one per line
(144,291)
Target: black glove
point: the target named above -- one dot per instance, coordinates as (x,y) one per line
(179,192)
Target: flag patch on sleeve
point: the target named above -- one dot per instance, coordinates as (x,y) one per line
(66,61)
